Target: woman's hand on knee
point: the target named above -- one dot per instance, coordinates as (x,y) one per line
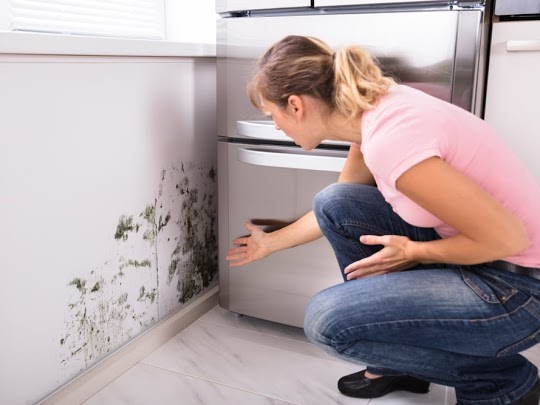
(389,259)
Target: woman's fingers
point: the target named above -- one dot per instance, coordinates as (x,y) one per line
(241,249)
(241,241)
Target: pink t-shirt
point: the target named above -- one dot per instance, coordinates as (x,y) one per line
(408,126)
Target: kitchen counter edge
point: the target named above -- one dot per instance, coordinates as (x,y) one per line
(55,44)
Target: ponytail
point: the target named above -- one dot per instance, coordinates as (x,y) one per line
(358,81)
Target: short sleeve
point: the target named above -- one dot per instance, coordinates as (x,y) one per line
(399,140)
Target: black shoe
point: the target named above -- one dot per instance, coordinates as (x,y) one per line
(359,386)
(530,398)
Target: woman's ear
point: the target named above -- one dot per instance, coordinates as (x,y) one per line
(296,106)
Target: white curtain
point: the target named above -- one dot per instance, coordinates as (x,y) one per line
(142,19)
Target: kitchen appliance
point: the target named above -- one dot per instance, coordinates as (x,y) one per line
(436,46)
(513,83)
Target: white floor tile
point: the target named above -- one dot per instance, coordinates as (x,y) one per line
(533,355)
(225,358)
(148,385)
(450,396)
(274,367)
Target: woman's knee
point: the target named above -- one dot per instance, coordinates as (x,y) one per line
(346,202)
(338,194)
(324,196)
(322,314)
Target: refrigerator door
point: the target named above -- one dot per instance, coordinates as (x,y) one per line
(418,48)
(223,6)
(271,185)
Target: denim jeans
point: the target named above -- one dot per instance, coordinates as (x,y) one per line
(459,326)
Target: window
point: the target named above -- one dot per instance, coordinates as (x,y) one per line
(143,19)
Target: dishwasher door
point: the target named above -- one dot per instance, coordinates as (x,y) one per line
(271,185)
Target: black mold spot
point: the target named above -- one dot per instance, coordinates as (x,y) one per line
(212,174)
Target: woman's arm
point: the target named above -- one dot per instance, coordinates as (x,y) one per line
(487,230)
(355,169)
(259,244)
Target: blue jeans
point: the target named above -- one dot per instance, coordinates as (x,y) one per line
(460,326)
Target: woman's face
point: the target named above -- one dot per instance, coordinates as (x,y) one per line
(292,120)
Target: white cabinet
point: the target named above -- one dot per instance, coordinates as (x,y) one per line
(513,88)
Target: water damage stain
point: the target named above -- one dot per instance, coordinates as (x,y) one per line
(162,257)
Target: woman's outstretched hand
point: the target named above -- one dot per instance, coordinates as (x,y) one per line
(392,257)
(249,248)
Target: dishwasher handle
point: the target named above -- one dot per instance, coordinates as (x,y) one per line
(284,159)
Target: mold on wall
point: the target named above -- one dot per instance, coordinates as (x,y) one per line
(187,244)
(160,258)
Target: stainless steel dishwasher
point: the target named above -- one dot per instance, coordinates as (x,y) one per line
(436,46)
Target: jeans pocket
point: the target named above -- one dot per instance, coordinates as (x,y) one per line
(489,288)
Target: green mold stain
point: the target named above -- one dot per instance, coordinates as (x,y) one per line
(79,284)
(163,222)
(122,299)
(173,266)
(143,294)
(135,263)
(149,213)
(125,225)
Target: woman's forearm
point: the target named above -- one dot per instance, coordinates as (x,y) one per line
(303,230)
(459,249)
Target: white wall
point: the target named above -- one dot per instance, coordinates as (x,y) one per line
(4,15)
(107,174)
(191,21)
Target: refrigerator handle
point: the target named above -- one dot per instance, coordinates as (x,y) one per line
(283,159)
(260,129)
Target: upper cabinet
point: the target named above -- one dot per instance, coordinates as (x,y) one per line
(224,6)
(513,87)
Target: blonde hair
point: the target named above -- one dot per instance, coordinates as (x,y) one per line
(348,81)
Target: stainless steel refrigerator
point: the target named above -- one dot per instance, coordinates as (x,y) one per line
(436,46)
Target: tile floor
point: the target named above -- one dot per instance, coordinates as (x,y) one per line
(224,358)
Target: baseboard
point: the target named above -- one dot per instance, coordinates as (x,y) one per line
(104,372)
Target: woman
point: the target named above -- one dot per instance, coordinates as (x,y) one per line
(441,259)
